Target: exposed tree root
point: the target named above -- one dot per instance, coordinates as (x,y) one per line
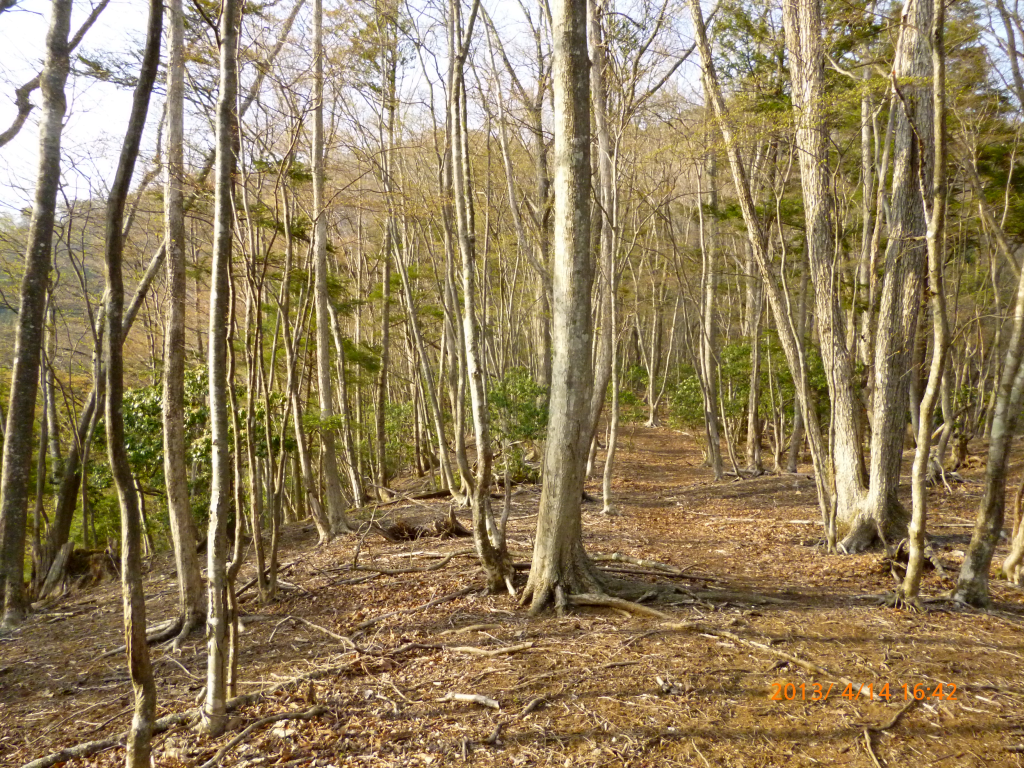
(606,601)
(897,599)
(309,714)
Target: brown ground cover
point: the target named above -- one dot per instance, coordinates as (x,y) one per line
(762,606)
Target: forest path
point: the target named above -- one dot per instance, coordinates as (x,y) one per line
(592,688)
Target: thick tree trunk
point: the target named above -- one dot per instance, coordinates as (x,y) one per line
(179,510)
(882,514)
(332,479)
(560,565)
(140,669)
(28,340)
(804,31)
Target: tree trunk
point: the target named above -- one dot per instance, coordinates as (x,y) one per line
(560,564)
(179,510)
(140,669)
(791,344)
(335,500)
(804,31)
(882,515)
(28,340)
(214,713)
(936,213)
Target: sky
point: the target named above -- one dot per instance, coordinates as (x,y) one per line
(97,112)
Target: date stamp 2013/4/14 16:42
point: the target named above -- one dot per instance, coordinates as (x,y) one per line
(783,691)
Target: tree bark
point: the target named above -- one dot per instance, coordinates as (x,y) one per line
(179,510)
(139,666)
(936,214)
(560,564)
(214,714)
(335,499)
(882,515)
(28,340)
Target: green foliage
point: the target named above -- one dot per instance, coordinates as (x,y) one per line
(519,413)
(518,407)
(686,401)
(399,450)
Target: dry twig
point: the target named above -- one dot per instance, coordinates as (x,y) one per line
(309,714)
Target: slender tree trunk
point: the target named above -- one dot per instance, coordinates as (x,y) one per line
(140,669)
(940,331)
(335,500)
(214,713)
(791,345)
(489,542)
(28,340)
(708,328)
(183,527)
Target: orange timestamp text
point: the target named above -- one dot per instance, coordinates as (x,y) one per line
(782,691)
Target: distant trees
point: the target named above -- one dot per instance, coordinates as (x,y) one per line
(409,212)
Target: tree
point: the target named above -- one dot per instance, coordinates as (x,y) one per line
(183,529)
(17,452)
(560,565)
(141,671)
(214,713)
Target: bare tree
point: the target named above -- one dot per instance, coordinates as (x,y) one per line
(214,713)
(560,564)
(140,669)
(183,529)
(17,453)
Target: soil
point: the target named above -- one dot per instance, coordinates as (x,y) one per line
(761,601)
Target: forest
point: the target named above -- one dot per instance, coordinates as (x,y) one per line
(701,325)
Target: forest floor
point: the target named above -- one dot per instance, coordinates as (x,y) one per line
(597,687)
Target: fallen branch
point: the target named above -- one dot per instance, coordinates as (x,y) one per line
(309,714)
(398,571)
(495,652)
(808,666)
(471,698)
(346,641)
(251,582)
(161,633)
(618,557)
(871,750)
(89,748)
(533,705)
(472,628)
(895,719)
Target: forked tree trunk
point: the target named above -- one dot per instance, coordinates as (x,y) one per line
(882,515)
(28,340)
(141,672)
(560,564)
(489,542)
(804,29)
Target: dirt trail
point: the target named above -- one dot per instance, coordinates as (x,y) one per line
(593,688)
